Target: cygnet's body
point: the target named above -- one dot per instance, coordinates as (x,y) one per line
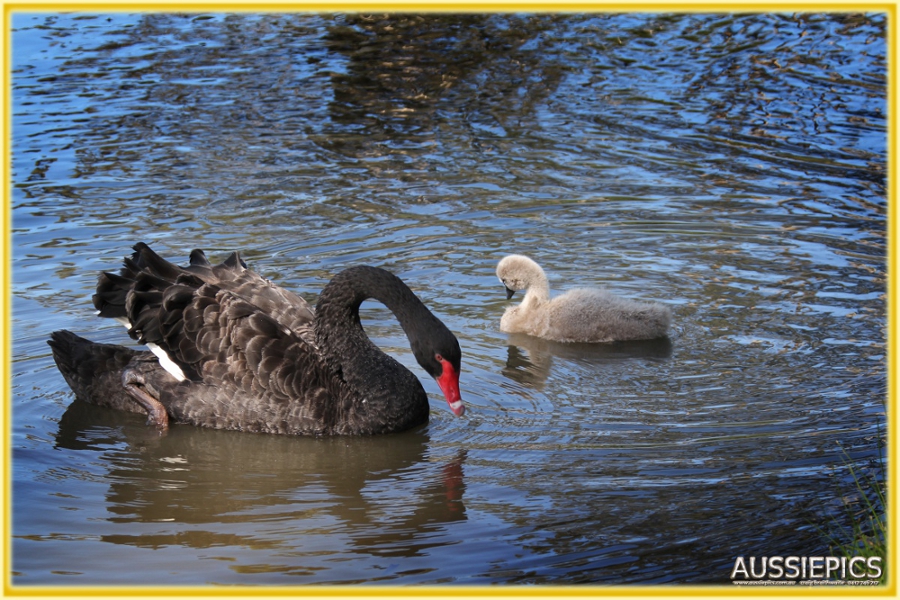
(579,315)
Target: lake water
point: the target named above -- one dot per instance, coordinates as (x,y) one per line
(730,166)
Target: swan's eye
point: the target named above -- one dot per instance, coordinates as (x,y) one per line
(438,358)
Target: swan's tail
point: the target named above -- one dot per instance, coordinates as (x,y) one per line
(143,271)
(145,276)
(94,371)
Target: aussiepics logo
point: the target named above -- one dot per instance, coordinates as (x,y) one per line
(806,570)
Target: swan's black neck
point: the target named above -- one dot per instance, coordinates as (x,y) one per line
(349,352)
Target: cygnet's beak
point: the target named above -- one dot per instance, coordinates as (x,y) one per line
(509,293)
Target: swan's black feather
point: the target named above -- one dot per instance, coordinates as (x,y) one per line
(94,371)
(198,259)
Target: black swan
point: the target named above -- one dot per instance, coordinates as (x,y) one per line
(231,350)
(579,315)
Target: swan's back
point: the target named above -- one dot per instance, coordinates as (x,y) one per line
(597,315)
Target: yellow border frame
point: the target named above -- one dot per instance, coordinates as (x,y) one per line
(444,6)
(890,8)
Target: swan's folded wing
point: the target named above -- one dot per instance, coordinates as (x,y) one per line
(286,308)
(213,334)
(146,272)
(242,367)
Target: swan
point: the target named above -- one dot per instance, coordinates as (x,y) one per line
(579,315)
(231,350)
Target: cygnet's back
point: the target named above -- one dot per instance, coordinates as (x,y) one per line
(580,315)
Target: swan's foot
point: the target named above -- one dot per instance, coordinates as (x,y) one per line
(135,385)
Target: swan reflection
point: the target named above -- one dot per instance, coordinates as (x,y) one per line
(201,488)
(530,359)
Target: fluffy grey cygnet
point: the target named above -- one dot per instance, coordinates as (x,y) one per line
(579,315)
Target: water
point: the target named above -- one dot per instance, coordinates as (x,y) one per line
(730,166)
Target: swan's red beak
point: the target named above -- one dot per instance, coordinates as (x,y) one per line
(449,383)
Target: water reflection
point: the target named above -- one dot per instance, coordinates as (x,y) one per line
(388,488)
(530,359)
(402,69)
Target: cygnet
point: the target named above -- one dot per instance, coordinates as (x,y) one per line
(579,315)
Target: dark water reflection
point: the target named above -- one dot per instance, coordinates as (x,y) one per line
(358,485)
(732,166)
(530,359)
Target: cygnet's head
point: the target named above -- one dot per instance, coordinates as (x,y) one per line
(518,272)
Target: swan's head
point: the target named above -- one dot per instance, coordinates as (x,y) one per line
(517,272)
(437,351)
